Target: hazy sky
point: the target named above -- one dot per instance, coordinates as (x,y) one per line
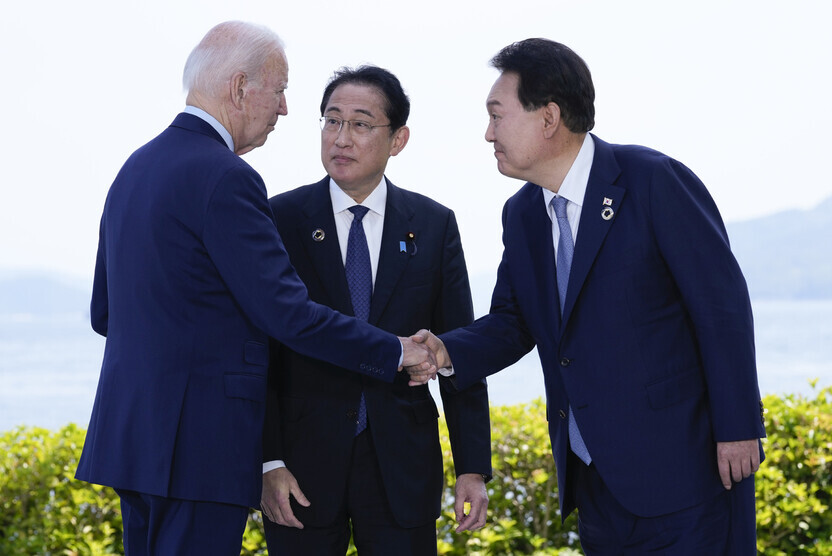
(738,91)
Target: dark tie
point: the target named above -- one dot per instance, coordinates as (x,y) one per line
(360,281)
(566,249)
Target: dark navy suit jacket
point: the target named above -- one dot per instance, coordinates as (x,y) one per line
(655,350)
(191,279)
(311,412)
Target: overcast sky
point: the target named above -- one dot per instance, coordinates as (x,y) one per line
(738,91)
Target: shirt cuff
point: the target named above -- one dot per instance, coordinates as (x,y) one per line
(447,371)
(272,465)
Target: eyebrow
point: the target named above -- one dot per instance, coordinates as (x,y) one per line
(492,102)
(359,110)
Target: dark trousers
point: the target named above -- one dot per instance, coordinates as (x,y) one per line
(158,526)
(365,512)
(606,527)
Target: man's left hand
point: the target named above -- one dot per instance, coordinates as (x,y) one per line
(470,487)
(737,460)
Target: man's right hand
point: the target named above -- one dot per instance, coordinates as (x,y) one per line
(278,484)
(432,341)
(440,356)
(418,360)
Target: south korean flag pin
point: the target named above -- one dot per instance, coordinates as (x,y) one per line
(607,213)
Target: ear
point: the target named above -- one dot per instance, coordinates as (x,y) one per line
(400,138)
(237,87)
(551,119)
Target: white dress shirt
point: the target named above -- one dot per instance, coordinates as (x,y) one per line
(573,190)
(218,127)
(373,221)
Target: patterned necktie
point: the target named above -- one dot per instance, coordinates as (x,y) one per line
(566,249)
(360,281)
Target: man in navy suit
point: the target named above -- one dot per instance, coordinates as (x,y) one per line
(616,265)
(191,279)
(348,452)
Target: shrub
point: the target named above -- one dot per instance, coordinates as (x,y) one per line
(794,484)
(46,511)
(523,509)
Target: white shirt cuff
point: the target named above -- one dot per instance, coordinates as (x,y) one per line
(272,465)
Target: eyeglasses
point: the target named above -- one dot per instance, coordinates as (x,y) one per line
(331,124)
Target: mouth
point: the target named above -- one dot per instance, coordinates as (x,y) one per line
(340,159)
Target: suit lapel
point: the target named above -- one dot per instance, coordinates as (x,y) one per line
(325,254)
(392,262)
(593,228)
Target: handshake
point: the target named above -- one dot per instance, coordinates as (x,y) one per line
(423,355)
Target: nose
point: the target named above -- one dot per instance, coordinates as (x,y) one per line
(283,108)
(344,137)
(489,131)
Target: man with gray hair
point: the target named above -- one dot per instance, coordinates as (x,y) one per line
(191,279)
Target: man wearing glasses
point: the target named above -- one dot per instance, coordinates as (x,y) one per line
(345,455)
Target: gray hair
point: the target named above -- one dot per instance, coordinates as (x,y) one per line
(228,48)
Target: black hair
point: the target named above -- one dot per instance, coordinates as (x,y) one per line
(397,104)
(551,72)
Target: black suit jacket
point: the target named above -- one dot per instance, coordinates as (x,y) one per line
(311,409)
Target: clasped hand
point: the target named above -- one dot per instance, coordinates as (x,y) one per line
(424,355)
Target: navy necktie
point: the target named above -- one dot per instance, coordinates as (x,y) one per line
(566,249)
(360,281)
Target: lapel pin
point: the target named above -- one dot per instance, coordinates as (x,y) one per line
(607,202)
(607,213)
(318,235)
(409,245)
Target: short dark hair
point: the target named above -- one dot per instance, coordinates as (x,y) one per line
(397,104)
(551,72)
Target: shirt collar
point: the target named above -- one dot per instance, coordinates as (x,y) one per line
(218,127)
(574,184)
(375,201)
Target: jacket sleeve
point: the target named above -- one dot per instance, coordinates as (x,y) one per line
(241,239)
(693,241)
(496,340)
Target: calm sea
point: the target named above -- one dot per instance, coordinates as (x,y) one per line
(49,367)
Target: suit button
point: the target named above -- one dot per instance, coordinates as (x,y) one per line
(352,414)
(562,414)
(565,362)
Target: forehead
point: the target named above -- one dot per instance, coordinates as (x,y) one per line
(504,91)
(354,97)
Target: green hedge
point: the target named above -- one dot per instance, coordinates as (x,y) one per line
(45,511)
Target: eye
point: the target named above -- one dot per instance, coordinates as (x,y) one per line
(363,126)
(333,121)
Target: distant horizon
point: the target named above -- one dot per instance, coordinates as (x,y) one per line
(78,278)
